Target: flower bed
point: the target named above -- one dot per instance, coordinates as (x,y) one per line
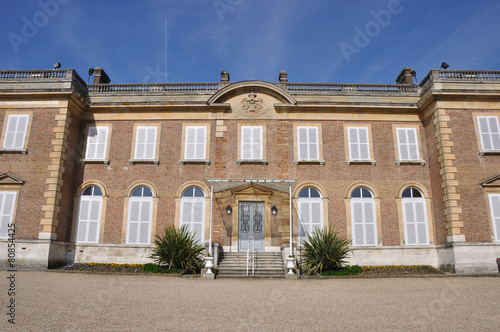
(118,268)
(384,271)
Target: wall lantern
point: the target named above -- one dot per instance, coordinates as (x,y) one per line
(274,210)
(229,209)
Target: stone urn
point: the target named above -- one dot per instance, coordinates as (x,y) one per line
(209,263)
(290,264)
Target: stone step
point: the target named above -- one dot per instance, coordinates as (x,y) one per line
(277,276)
(266,265)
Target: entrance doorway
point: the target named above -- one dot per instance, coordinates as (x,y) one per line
(251,225)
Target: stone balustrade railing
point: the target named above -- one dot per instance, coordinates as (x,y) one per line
(156,87)
(442,75)
(435,75)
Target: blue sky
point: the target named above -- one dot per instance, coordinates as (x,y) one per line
(357,41)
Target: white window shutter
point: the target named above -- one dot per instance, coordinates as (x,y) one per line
(97,140)
(251,142)
(415,220)
(495,214)
(359,145)
(139,214)
(257,143)
(403,144)
(7,207)
(195,147)
(489,132)
(364,222)
(302,143)
(190,151)
(313,143)
(363,144)
(407,144)
(15,135)
(145,147)
(193,216)
(357,215)
(246,143)
(354,153)
(495,133)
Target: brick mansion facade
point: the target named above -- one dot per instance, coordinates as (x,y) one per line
(409,173)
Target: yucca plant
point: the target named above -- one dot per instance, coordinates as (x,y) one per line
(323,251)
(178,249)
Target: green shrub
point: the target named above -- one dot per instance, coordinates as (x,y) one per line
(346,271)
(323,251)
(178,249)
(153,268)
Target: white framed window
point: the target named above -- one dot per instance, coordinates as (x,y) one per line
(7,208)
(252,142)
(89,215)
(359,143)
(407,144)
(145,142)
(310,212)
(415,217)
(195,144)
(363,217)
(97,141)
(140,212)
(16,131)
(489,131)
(495,214)
(308,143)
(193,212)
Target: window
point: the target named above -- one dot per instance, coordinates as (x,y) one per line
(307,143)
(358,144)
(364,223)
(16,132)
(489,132)
(407,144)
(495,214)
(7,208)
(145,143)
(310,210)
(415,217)
(193,212)
(89,215)
(251,142)
(140,210)
(97,140)
(195,145)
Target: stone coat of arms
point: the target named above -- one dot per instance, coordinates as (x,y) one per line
(252,105)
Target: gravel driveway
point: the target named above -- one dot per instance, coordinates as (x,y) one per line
(53,301)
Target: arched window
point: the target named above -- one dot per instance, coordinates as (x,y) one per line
(363,217)
(310,211)
(140,212)
(193,212)
(89,215)
(415,217)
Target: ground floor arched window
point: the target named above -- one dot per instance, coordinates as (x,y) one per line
(140,212)
(193,212)
(89,215)
(310,211)
(415,217)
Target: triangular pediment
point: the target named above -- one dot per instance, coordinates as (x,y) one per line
(492,182)
(251,189)
(7,178)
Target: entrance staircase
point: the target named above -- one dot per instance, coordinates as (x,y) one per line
(267,265)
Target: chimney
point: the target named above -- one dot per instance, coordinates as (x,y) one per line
(406,76)
(224,76)
(283,76)
(100,76)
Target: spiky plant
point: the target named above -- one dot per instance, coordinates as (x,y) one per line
(323,251)
(178,249)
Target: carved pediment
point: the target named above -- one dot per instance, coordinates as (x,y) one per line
(492,182)
(251,189)
(7,178)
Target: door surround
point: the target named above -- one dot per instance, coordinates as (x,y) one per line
(251,193)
